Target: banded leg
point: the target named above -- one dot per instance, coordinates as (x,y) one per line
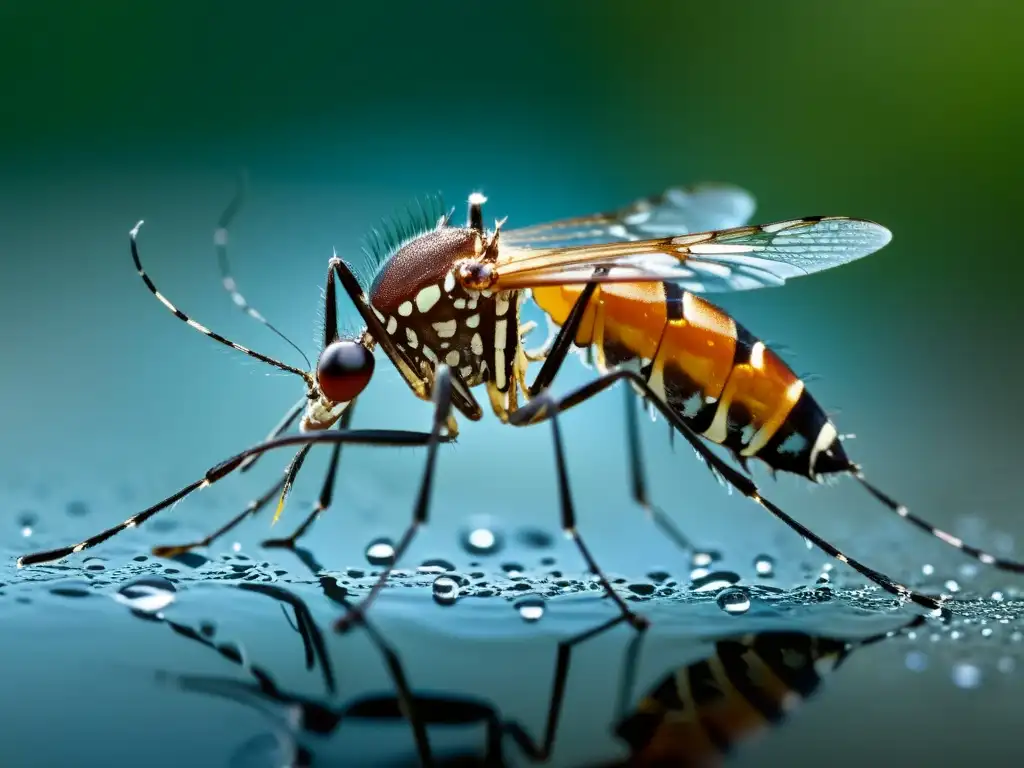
(326,491)
(442,410)
(541,409)
(568,511)
(377,437)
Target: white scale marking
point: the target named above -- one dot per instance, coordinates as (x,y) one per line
(405,308)
(449,282)
(410,336)
(392,325)
(452,358)
(473,321)
(476,344)
(500,331)
(501,304)
(428,297)
(446,329)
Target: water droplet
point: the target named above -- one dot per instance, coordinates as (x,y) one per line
(1017,637)
(809,543)
(27,523)
(986,632)
(77,509)
(704,559)
(535,538)
(714,581)
(149,594)
(236,547)
(952,586)
(380,551)
(435,565)
(916,661)
(734,600)
(997,596)
(641,588)
(659,577)
(480,540)
(966,675)
(928,569)
(530,608)
(1006,664)
(698,573)
(514,570)
(764,565)
(446,590)
(968,571)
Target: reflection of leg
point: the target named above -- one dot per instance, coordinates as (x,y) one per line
(442,410)
(550,408)
(562,661)
(639,479)
(542,408)
(326,492)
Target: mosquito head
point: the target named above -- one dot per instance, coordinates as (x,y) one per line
(344,369)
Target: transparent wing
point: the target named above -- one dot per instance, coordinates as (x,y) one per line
(677,211)
(737,259)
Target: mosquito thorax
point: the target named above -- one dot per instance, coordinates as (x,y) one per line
(430,314)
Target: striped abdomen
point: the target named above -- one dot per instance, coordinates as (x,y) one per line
(727,385)
(697,714)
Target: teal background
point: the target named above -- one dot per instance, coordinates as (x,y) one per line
(908,113)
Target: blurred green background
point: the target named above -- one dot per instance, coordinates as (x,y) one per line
(908,113)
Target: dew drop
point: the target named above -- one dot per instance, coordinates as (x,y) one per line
(928,569)
(714,581)
(535,538)
(446,590)
(916,661)
(698,573)
(952,585)
(997,596)
(149,595)
(704,559)
(986,632)
(966,675)
(435,565)
(764,565)
(734,600)
(480,540)
(514,570)
(27,523)
(530,608)
(380,551)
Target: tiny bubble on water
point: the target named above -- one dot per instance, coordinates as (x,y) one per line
(916,661)
(446,590)
(530,608)
(764,566)
(966,675)
(380,551)
(734,600)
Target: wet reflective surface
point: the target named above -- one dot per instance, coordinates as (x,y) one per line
(507,659)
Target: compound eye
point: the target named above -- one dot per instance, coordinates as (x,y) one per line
(344,370)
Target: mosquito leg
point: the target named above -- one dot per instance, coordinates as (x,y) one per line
(639,479)
(442,409)
(326,492)
(550,408)
(540,409)
(560,346)
(563,659)
(286,421)
(378,437)
(251,509)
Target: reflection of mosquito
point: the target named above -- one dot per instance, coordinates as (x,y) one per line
(444,307)
(693,716)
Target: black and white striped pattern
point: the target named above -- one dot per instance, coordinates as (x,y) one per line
(198,326)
